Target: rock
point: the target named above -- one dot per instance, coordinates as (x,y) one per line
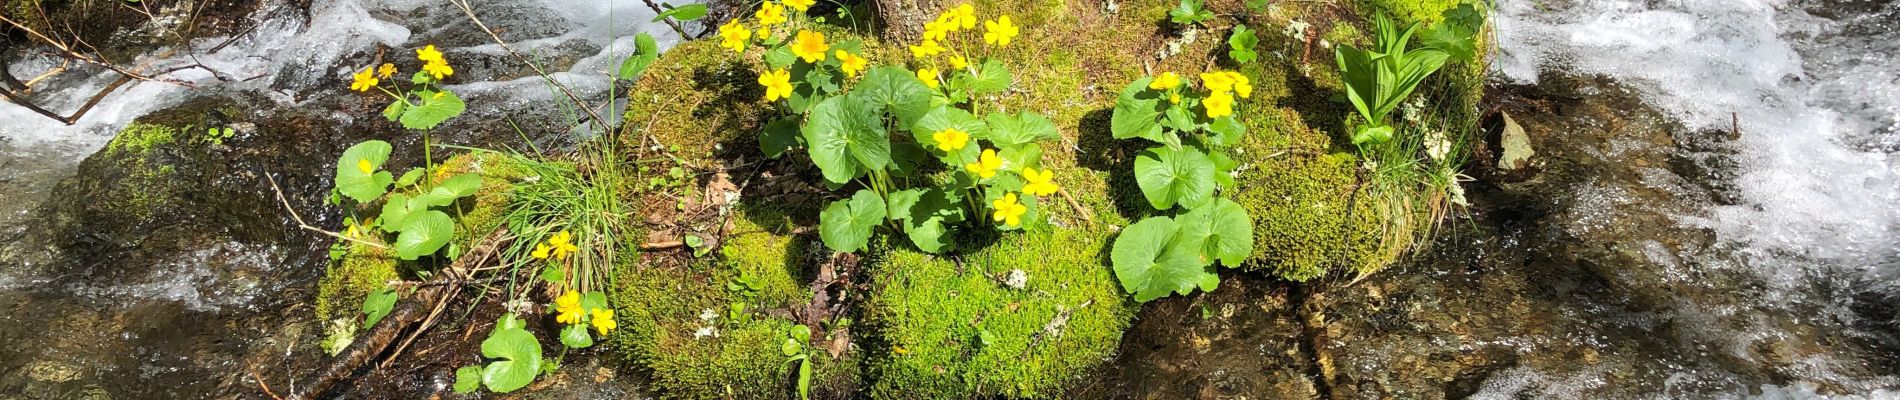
(1517,145)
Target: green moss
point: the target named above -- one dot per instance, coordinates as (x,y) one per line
(139,137)
(932,314)
(1307,219)
(1421,11)
(660,310)
(364,269)
(485,212)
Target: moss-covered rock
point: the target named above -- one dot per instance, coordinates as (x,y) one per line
(678,321)
(363,269)
(957,327)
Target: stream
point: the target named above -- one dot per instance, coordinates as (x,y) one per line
(1715,213)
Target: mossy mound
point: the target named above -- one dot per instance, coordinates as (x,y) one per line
(345,283)
(954,327)
(677,322)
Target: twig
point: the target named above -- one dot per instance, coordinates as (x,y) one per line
(1084,213)
(458,274)
(306,226)
(470,11)
(261,385)
(669,21)
(661,245)
(1054,327)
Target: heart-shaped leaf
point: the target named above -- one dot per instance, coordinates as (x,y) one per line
(846,225)
(462,185)
(689,12)
(423,233)
(1168,177)
(846,138)
(1149,268)
(993,77)
(1223,228)
(1138,114)
(645,52)
(898,91)
(576,336)
(1024,128)
(779,136)
(468,379)
(518,355)
(377,305)
(944,118)
(436,107)
(925,215)
(357,182)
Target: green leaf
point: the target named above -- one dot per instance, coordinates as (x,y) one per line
(353,182)
(510,321)
(790,347)
(1226,131)
(1241,44)
(801,333)
(553,274)
(1149,269)
(804,379)
(1190,12)
(925,213)
(409,178)
(946,117)
(1456,35)
(1023,128)
(1369,134)
(422,234)
(377,305)
(594,300)
(575,336)
(519,357)
(993,77)
(1360,74)
(898,91)
(645,51)
(846,225)
(463,185)
(1138,114)
(436,107)
(394,110)
(436,197)
(779,57)
(395,212)
(779,136)
(1175,176)
(1021,156)
(468,379)
(1224,229)
(845,134)
(1223,169)
(689,12)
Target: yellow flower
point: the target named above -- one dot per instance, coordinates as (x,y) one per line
(964,16)
(386,70)
(1041,183)
(770,14)
(958,62)
(364,81)
(929,76)
(938,30)
(778,84)
(1219,104)
(1217,82)
(1165,81)
(926,49)
(801,5)
(764,32)
(562,245)
(569,308)
(541,251)
(1242,86)
(810,46)
(428,54)
(438,69)
(986,165)
(1000,31)
(951,139)
(364,165)
(851,64)
(604,321)
(1174,98)
(734,36)
(1008,210)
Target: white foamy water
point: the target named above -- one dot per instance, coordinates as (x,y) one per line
(1817,99)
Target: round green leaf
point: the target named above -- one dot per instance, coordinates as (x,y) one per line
(462,185)
(896,90)
(846,225)
(1019,129)
(646,50)
(575,336)
(519,357)
(377,305)
(845,133)
(423,233)
(436,107)
(1149,269)
(358,185)
(1138,114)
(468,379)
(396,212)
(947,117)
(993,77)
(1224,230)
(779,136)
(1168,177)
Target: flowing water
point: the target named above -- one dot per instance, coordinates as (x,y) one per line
(184,308)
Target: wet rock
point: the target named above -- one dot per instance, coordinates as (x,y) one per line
(1517,145)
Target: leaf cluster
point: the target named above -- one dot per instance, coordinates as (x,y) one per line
(412,213)
(1190,12)
(1377,80)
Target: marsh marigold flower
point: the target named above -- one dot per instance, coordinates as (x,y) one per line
(986,165)
(428,54)
(1242,86)
(364,81)
(1217,82)
(778,84)
(438,69)
(1165,81)
(929,76)
(568,308)
(604,320)
(1008,210)
(951,139)
(386,71)
(770,14)
(937,30)
(563,245)
(926,49)
(541,251)
(1219,104)
(734,36)
(963,16)
(810,46)
(365,166)
(999,31)
(958,62)
(801,5)
(1041,183)
(851,64)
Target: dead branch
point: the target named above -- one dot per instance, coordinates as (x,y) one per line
(669,21)
(306,226)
